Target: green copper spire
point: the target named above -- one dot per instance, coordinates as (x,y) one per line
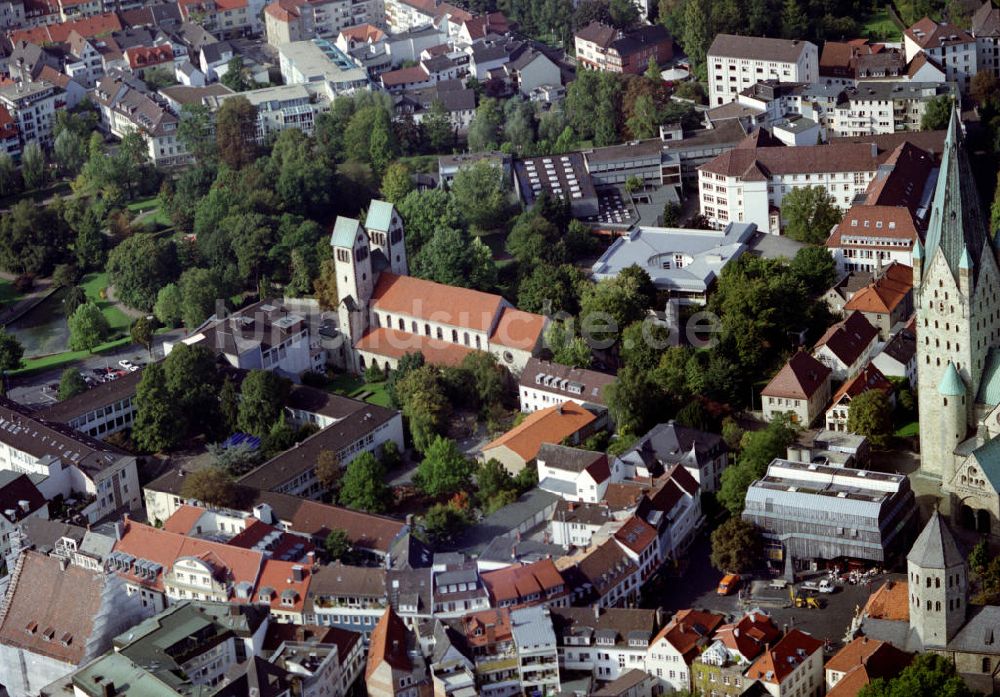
(951,382)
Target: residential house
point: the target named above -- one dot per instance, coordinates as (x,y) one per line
(64,462)
(847,62)
(736,62)
(126,109)
(488,634)
(352,598)
(674,648)
(887,301)
(519,447)
(860,662)
(286,21)
(20,499)
(279,108)
(640,542)
(518,585)
(10,143)
(403,15)
(809,511)
(574,474)
(952,48)
(457,588)
(898,358)
(685,263)
(603,575)
(537,650)
(601,47)
(605,642)
(870,378)
(801,388)
(56,618)
(450,165)
(986,29)
(575,524)
(720,668)
(846,347)
(458,102)
(544,383)
(671,503)
(395,665)
(331,660)
(791,668)
(704,455)
(632,683)
(32,106)
(530,69)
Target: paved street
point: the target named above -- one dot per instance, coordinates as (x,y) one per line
(694,585)
(32,389)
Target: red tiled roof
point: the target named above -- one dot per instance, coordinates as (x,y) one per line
(875,223)
(884,294)
(278,575)
(862,661)
(141,56)
(550,425)
(416,297)
(388,644)
(492,23)
(282,548)
(59,33)
(223,5)
(799,378)
(891,601)
(761,163)
(750,635)
(688,629)
(404,76)
(775,665)
(518,330)
(636,535)
(487,626)
(518,581)
(395,344)
(903,184)
(930,34)
(848,339)
(184,519)
(363,32)
(870,378)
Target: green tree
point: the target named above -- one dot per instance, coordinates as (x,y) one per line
(644,122)
(929,675)
(363,486)
(937,114)
(633,400)
(70,152)
(396,183)
(159,422)
(815,267)
(491,381)
(71,384)
(443,522)
(262,402)
(33,239)
(426,212)
(566,348)
(236,76)
(438,128)
(492,478)
(551,289)
(213,486)
(671,214)
(328,469)
(870,415)
(759,448)
(34,168)
(303,180)
(643,344)
(484,130)
(196,131)
(736,546)
(141,332)
(979,557)
(984,88)
(236,132)
(534,239)
(168,306)
(279,438)
(445,469)
(424,403)
(88,327)
(694,415)
(200,290)
(697,32)
(139,267)
(11,353)
(75,296)
(810,213)
(8,175)
(455,258)
(229,405)
(480,192)
(732,433)
(337,545)
(406,363)
(794,20)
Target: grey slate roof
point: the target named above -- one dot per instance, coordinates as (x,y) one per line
(988,458)
(981,634)
(935,548)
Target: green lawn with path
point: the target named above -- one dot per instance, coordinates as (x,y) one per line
(355,387)
(150,209)
(879,26)
(93,284)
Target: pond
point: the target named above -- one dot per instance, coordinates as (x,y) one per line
(43,329)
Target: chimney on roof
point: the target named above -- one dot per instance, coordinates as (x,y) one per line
(597,611)
(108,689)
(25,505)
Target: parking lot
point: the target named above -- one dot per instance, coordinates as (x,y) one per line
(694,583)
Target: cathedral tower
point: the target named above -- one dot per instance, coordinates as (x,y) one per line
(937,579)
(955,283)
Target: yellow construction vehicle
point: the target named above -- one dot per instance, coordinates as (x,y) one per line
(803,601)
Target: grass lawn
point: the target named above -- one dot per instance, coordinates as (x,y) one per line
(908,430)
(426,164)
(8,294)
(881,27)
(150,209)
(354,386)
(56,360)
(92,285)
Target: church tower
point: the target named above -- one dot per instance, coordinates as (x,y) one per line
(937,579)
(955,282)
(352,262)
(385,230)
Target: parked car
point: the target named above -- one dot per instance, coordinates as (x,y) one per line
(827,586)
(728,584)
(128,365)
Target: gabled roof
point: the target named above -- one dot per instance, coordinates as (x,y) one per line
(870,378)
(597,33)
(986,20)
(422,299)
(776,664)
(754,632)
(935,548)
(96,25)
(19,497)
(849,339)
(757,48)
(636,535)
(891,601)
(575,460)
(395,344)
(799,378)
(519,581)
(885,293)
(549,425)
(864,660)
(689,629)
(379,215)
(928,34)
(518,329)
(389,644)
